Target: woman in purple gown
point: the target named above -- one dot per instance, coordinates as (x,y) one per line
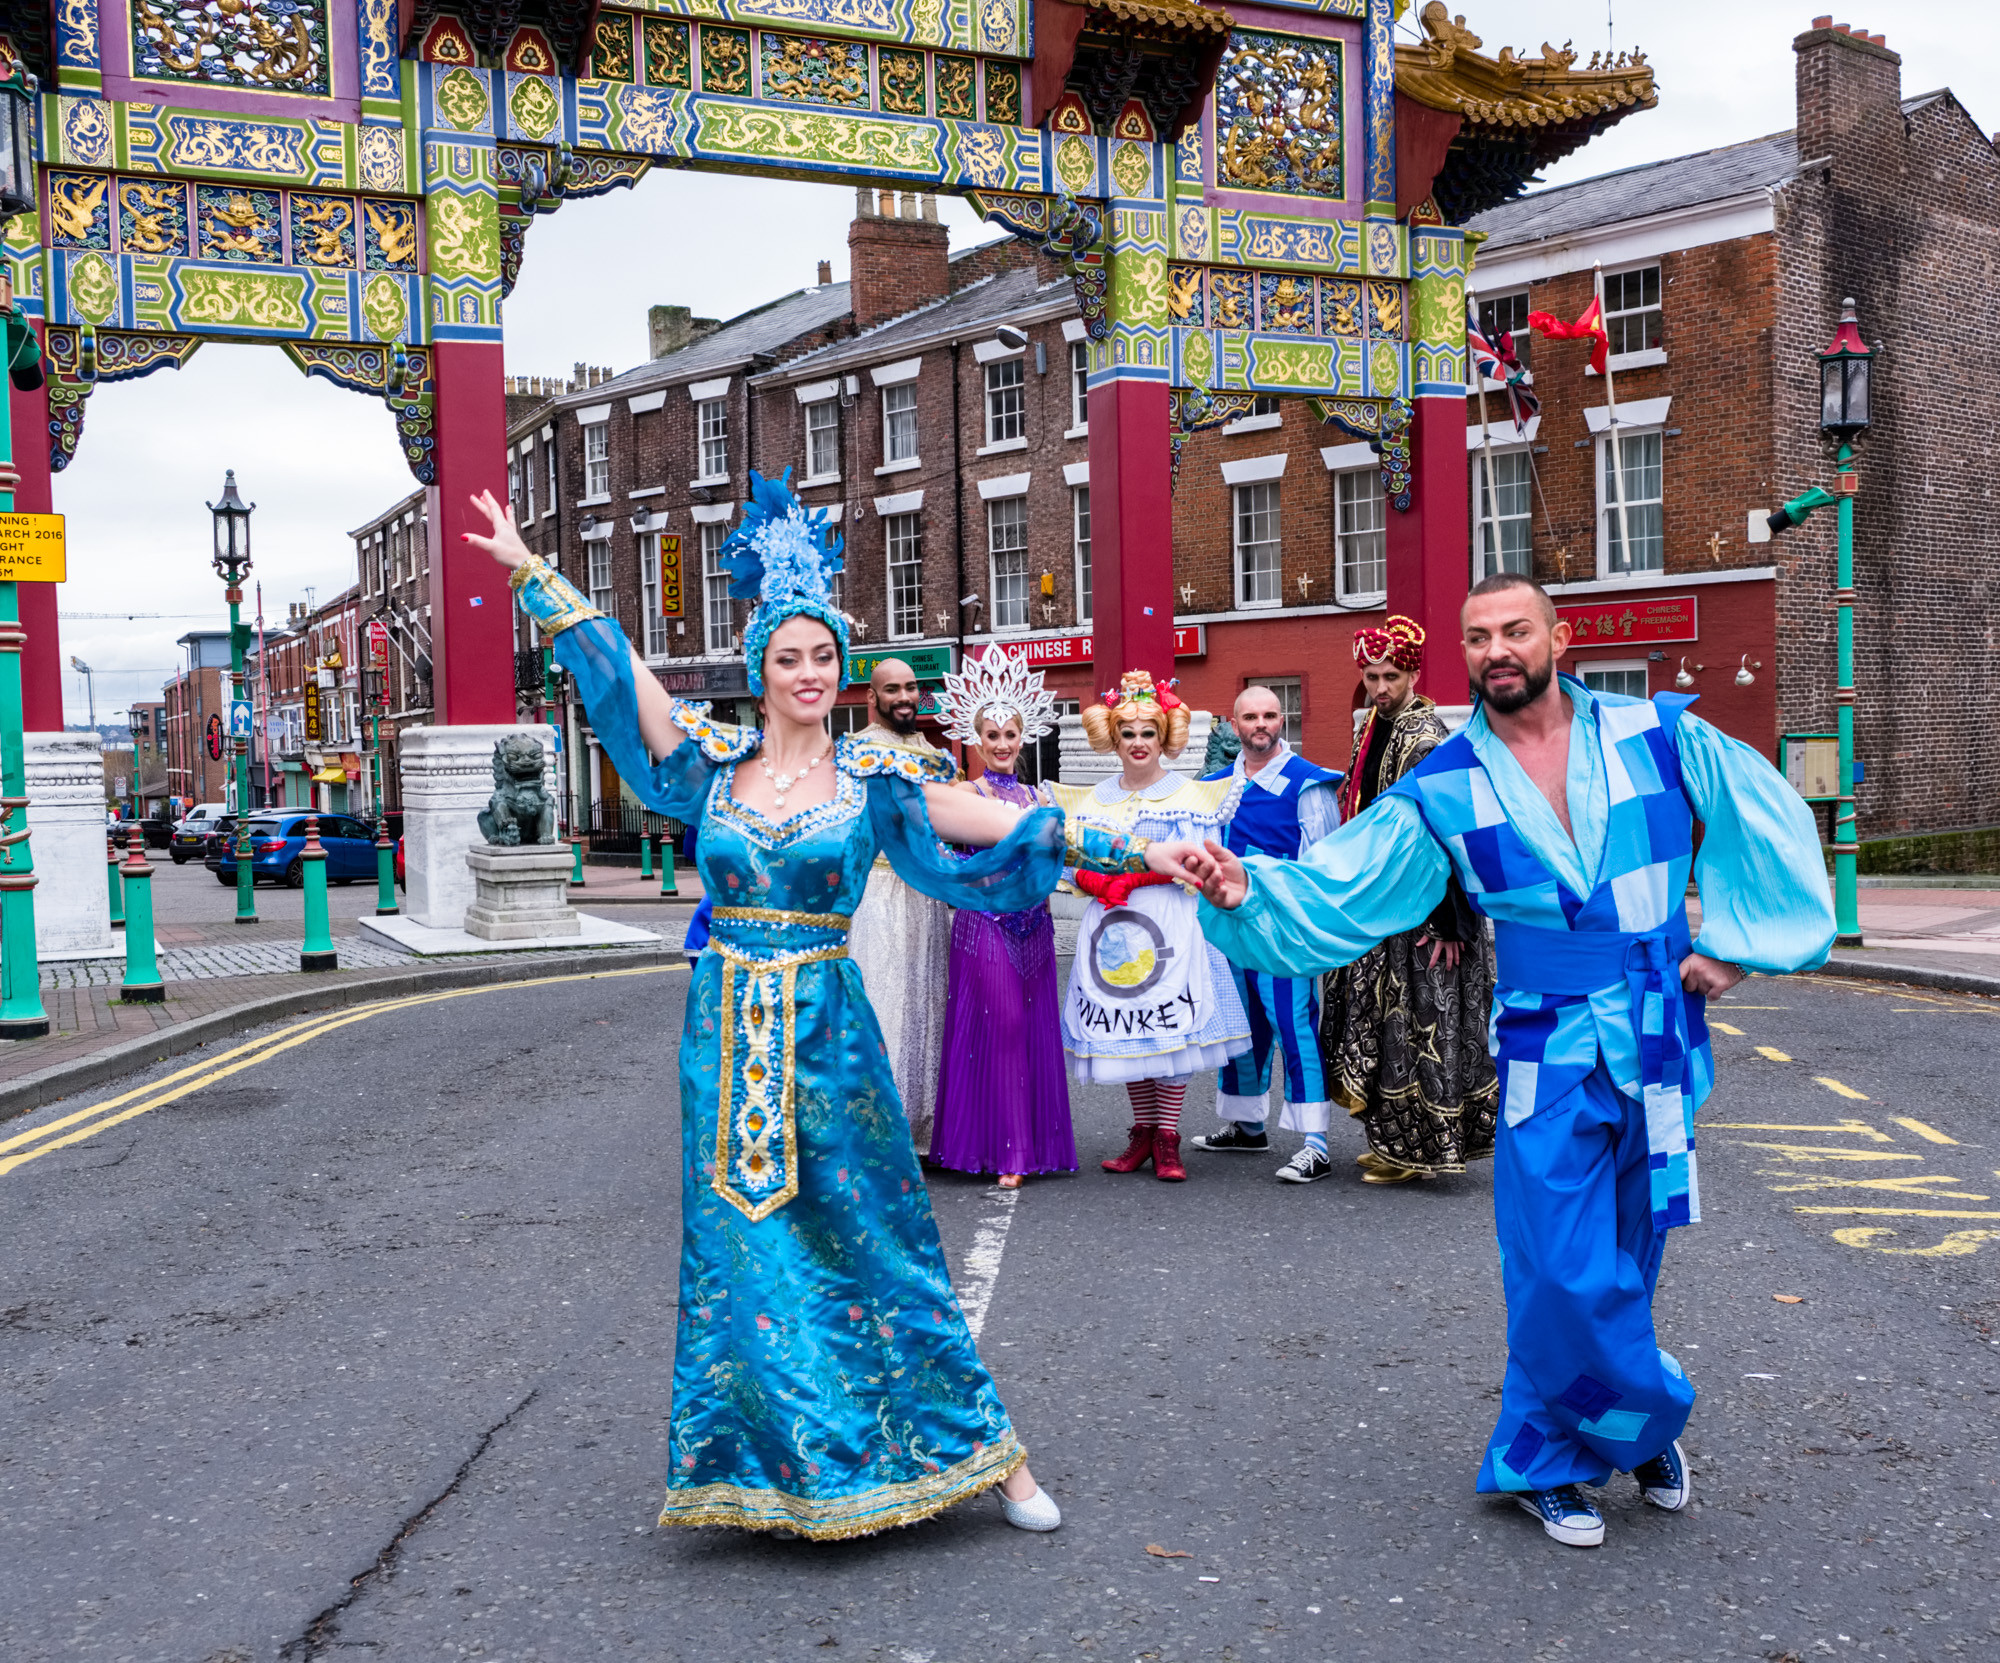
(1003,1093)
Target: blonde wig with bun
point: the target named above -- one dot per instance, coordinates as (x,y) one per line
(1137,699)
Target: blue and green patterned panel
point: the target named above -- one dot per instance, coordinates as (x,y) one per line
(1278,110)
(1002,28)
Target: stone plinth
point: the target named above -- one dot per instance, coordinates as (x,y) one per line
(521,892)
(1083,766)
(447,775)
(65,781)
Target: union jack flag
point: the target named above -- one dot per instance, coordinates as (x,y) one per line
(1496,361)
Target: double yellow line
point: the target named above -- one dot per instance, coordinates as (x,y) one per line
(83,1124)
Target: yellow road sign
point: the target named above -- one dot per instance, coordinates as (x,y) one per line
(31,548)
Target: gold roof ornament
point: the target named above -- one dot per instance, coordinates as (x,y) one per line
(1517,114)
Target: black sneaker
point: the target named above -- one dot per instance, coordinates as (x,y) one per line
(1565,1514)
(1665,1479)
(1308,1166)
(1233,1140)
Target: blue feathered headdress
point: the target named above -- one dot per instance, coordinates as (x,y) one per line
(784,556)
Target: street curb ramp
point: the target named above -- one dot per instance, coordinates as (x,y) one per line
(1914,975)
(34,1091)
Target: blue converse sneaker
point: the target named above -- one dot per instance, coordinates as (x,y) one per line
(1233,1139)
(1565,1514)
(1665,1479)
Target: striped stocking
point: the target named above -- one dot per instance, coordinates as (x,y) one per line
(1157,1102)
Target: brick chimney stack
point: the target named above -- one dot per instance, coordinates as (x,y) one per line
(897,255)
(825,273)
(669,328)
(1850,89)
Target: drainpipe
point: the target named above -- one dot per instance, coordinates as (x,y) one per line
(957,512)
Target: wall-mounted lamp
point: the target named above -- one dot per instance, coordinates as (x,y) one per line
(1743,676)
(1683,678)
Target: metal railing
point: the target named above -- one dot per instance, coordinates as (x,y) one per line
(615,828)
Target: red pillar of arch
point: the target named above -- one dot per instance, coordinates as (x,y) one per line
(41,654)
(1131,530)
(472,625)
(1429,548)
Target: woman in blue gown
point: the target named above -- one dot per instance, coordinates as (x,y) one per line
(825,1381)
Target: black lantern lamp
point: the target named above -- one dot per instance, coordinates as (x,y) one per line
(1843,378)
(17,141)
(232,533)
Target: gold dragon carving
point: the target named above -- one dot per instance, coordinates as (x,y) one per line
(237,228)
(280,57)
(324,222)
(73,204)
(149,206)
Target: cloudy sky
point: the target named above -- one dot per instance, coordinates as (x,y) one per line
(318,461)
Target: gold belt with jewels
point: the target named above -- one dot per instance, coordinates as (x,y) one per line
(773,915)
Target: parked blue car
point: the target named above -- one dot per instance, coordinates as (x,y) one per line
(278,838)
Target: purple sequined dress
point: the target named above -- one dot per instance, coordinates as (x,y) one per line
(1003,1094)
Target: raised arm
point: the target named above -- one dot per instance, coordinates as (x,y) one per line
(529,580)
(968,818)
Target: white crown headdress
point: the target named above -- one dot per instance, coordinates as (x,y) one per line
(998,685)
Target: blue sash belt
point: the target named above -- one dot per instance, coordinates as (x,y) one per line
(1575,963)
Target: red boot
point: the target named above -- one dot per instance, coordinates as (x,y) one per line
(1167,1157)
(1137,1153)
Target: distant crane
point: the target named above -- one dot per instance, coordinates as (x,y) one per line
(130,615)
(89,683)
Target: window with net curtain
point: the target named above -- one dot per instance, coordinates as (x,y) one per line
(1259,549)
(1502,524)
(713,415)
(1080,529)
(1005,400)
(1007,546)
(597,460)
(823,440)
(1630,511)
(718,632)
(905,538)
(599,567)
(1360,532)
(899,423)
(1079,385)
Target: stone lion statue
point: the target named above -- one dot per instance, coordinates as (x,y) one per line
(520,810)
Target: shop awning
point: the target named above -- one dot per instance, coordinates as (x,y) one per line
(330,776)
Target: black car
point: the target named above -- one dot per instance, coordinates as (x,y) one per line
(213,842)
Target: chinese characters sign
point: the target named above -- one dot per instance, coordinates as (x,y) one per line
(1631,621)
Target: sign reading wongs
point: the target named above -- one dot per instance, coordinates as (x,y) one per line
(32,549)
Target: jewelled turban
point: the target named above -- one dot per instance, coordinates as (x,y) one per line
(1400,641)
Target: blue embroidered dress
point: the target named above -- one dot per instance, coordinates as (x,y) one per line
(824,1377)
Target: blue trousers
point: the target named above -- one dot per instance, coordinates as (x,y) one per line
(1588,1391)
(1284,1015)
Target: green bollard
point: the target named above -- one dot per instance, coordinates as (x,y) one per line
(576,863)
(316,952)
(142,984)
(668,886)
(117,888)
(385,872)
(646,855)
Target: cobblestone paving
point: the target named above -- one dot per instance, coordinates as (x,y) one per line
(246,958)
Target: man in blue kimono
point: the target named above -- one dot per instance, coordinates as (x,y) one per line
(1286,806)
(1569,818)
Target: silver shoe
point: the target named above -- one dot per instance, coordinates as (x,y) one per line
(1038,1512)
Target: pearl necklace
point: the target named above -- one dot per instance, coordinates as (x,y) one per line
(782,783)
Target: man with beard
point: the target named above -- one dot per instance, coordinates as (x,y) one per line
(1405,1024)
(901,941)
(1568,816)
(1285,805)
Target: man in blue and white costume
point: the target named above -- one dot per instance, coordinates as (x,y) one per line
(1568,817)
(1288,804)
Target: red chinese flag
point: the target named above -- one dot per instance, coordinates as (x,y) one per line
(1588,327)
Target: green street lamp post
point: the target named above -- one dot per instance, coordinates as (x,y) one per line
(21,1012)
(232,561)
(1844,373)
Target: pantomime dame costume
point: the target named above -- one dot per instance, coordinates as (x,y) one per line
(824,1377)
(1150,1003)
(1603,1059)
(1406,1039)
(1003,1098)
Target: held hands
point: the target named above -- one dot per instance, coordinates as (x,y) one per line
(1708,977)
(1209,867)
(505,544)
(1446,953)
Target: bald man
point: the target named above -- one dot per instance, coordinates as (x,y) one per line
(901,941)
(1288,804)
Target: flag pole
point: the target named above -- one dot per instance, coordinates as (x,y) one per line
(1615,448)
(1488,498)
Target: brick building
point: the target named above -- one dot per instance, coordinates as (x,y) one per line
(1723,275)
(187,702)
(148,720)
(392,558)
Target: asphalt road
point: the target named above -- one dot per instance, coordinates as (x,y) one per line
(365,1348)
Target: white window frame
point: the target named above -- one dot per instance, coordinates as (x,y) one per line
(1346,533)
(528,482)
(514,487)
(1079,390)
(1621,352)
(718,617)
(1007,401)
(655,630)
(1523,336)
(904,394)
(822,433)
(904,534)
(1600,455)
(1079,528)
(711,417)
(1248,498)
(1012,512)
(555,478)
(596,462)
(1485,562)
(597,575)
(1622,666)
(1291,693)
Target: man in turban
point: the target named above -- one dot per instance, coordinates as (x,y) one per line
(1404,1029)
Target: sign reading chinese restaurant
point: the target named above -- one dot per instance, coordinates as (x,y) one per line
(1631,620)
(1054,651)
(930,663)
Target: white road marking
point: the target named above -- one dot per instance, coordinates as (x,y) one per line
(982,1263)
